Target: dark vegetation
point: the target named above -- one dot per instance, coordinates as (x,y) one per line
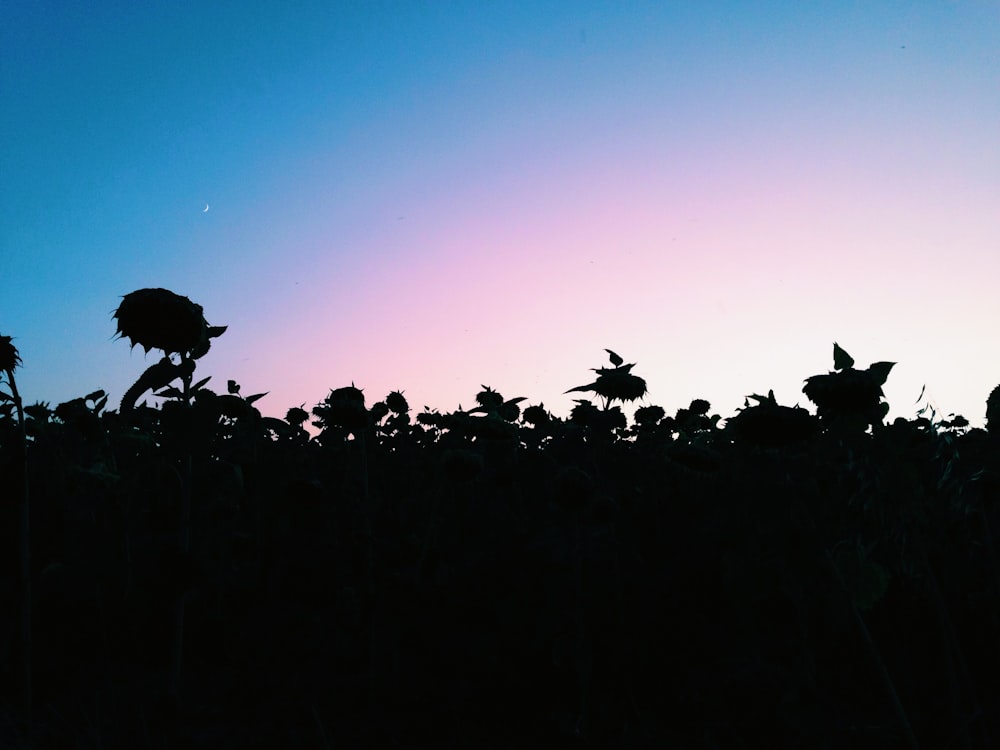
(196,575)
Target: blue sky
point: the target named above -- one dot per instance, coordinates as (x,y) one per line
(435,196)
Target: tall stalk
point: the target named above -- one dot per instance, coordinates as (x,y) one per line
(10,361)
(183,543)
(876,657)
(369,510)
(811,529)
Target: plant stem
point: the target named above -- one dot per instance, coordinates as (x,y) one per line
(368,514)
(184,544)
(876,657)
(953,656)
(24,554)
(812,530)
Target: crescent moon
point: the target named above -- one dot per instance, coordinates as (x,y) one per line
(205,210)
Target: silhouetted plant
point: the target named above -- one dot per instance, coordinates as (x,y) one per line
(694,418)
(39,411)
(488,399)
(603,420)
(429,418)
(993,411)
(555,568)
(398,424)
(647,418)
(10,360)
(849,398)
(231,406)
(343,408)
(770,425)
(159,319)
(537,415)
(492,404)
(616,383)
(378,411)
(699,407)
(296,416)
(397,403)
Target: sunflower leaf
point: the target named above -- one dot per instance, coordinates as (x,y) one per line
(841,359)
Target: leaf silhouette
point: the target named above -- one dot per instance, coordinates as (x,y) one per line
(841,359)
(610,370)
(879,371)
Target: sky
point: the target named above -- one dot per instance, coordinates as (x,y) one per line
(437,196)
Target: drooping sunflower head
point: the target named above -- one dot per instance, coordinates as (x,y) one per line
(9,358)
(620,385)
(160,319)
(993,411)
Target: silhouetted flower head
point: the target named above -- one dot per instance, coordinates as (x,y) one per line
(612,418)
(39,411)
(615,384)
(296,416)
(77,414)
(510,410)
(586,414)
(344,408)
(378,411)
(160,319)
(993,411)
(699,406)
(647,416)
(849,392)
(583,413)
(849,395)
(9,358)
(536,415)
(621,386)
(770,425)
(429,418)
(489,398)
(397,403)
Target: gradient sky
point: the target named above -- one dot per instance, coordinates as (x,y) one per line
(433,196)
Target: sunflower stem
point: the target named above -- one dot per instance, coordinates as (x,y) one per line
(24,553)
(184,543)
